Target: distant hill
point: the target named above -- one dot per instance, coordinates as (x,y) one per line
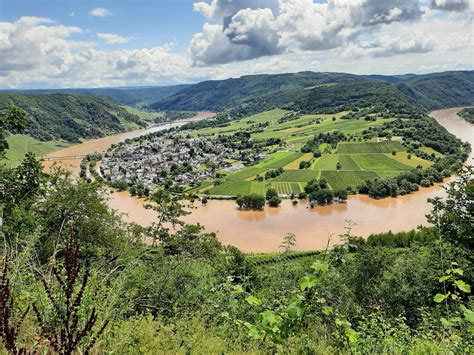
(309,90)
(265,90)
(71,117)
(132,96)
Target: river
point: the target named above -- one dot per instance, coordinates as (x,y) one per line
(263,231)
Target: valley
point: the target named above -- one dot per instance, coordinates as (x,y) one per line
(261,231)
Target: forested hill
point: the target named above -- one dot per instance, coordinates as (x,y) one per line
(322,91)
(71,117)
(132,96)
(265,89)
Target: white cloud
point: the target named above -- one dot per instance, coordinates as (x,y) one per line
(287,24)
(286,36)
(111,38)
(72,14)
(35,51)
(100,12)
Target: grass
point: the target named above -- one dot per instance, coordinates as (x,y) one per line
(20,144)
(295,164)
(286,188)
(232,188)
(246,173)
(279,159)
(430,150)
(326,162)
(369,147)
(347,163)
(413,162)
(297,176)
(341,180)
(378,162)
(145,116)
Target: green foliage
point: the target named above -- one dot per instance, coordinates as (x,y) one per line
(467,114)
(70,118)
(251,202)
(11,120)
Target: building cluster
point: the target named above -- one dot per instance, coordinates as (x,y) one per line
(166,159)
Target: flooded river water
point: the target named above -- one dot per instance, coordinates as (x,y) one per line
(261,231)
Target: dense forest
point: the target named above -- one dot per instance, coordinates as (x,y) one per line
(71,117)
(309,91)
(467,114)
(76,278)
(132,96)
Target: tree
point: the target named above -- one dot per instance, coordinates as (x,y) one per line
(12,119)
(168,210)
(289,241)
(453,216)
(274,201)
(270,194)
(252,201)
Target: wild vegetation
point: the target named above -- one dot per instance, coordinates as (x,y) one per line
(71,117)
(76,278)
(467,114)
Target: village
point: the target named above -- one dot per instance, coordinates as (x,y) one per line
(166,160)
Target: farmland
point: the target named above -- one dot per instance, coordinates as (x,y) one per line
(20,144)
(344,165)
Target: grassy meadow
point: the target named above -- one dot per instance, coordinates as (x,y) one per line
(20,144)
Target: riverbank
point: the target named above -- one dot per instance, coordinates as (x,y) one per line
(263,231)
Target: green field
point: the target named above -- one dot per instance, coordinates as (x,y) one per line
(326,162)
(20,144)
(378,162)
(246,173)
(287,188)
(340,180)
(298,176)
(358,160)
(347,163)
(369,147)
(232,188)
(413,162)
(279,159)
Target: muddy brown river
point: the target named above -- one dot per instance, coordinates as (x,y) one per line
(263,231)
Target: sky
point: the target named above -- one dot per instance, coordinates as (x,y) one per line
(105,43)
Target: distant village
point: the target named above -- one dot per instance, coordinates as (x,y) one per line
(167,160)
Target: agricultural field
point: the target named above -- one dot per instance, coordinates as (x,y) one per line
(340,180)
(370,147)
(325,162)
(247,173)
(279,159)
(295,164)
(346,165)
(413,162)
(378,162)
(20,144)
(298,175)
(347,162)
(287,188)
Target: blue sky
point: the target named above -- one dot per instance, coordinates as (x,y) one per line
(150,23)
(83,43)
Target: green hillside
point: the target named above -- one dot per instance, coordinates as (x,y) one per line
(133,96)
(324,92)
(71,117)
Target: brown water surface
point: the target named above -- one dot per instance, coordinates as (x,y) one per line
(261,231)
